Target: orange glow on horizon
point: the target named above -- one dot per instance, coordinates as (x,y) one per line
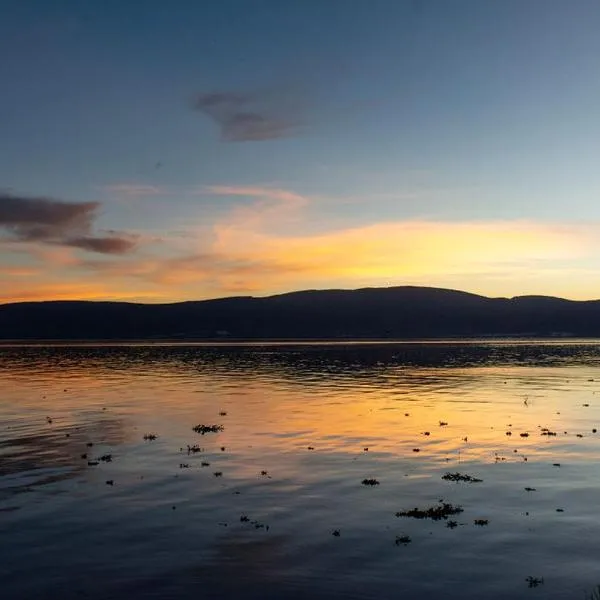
(266,247)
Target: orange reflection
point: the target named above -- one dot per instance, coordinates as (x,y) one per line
(425,418)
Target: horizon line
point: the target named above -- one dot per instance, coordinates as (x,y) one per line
(300,291)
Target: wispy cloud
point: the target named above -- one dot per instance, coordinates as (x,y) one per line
(257,192)
(244,117)
(103,245)
(50,221)
(270,207)
(19,271)
(135,189)
(77,290)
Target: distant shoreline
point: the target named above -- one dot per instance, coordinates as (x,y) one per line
(369,315)
(592,340)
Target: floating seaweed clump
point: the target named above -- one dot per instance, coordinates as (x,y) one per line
(436,513)
(370,482)
(150,437)
(534,581)
(254,523)
(202,429)
(481,522)
(403,539)
(460,477)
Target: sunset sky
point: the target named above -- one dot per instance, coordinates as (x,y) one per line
(161,151)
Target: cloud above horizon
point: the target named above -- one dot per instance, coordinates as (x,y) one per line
(245,117)
(56,222)
(265,244)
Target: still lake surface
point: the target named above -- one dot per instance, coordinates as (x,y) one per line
(303,426)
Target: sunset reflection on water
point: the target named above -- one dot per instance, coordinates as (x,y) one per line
(302,427)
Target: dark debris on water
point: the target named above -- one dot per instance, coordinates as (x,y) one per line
(203,429)
(436,513)
(460,477)
(254,523)
(534,581)
(403,539)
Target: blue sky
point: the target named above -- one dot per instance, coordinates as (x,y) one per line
(182,120)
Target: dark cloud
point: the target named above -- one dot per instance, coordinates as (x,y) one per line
(103,245)
(23,214)
(34,219)
(246,117)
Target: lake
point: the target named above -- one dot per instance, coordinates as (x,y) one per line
(305,480)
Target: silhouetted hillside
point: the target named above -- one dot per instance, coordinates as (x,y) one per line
(373,313)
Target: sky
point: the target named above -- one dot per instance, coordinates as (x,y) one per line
(164,151)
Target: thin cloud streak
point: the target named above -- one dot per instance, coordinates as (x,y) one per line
(271,208)
(103,245)
(135,189)
(257,192)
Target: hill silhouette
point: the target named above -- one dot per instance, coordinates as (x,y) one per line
(406,312)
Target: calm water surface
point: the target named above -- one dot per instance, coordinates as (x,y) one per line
(303,426)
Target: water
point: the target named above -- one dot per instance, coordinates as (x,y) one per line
(293,453)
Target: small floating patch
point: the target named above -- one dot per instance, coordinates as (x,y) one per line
(370,482)
(460,477)
(534,581)
(403,539)
(203,429)
(436,513)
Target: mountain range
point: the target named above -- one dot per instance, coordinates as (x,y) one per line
(405,312)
